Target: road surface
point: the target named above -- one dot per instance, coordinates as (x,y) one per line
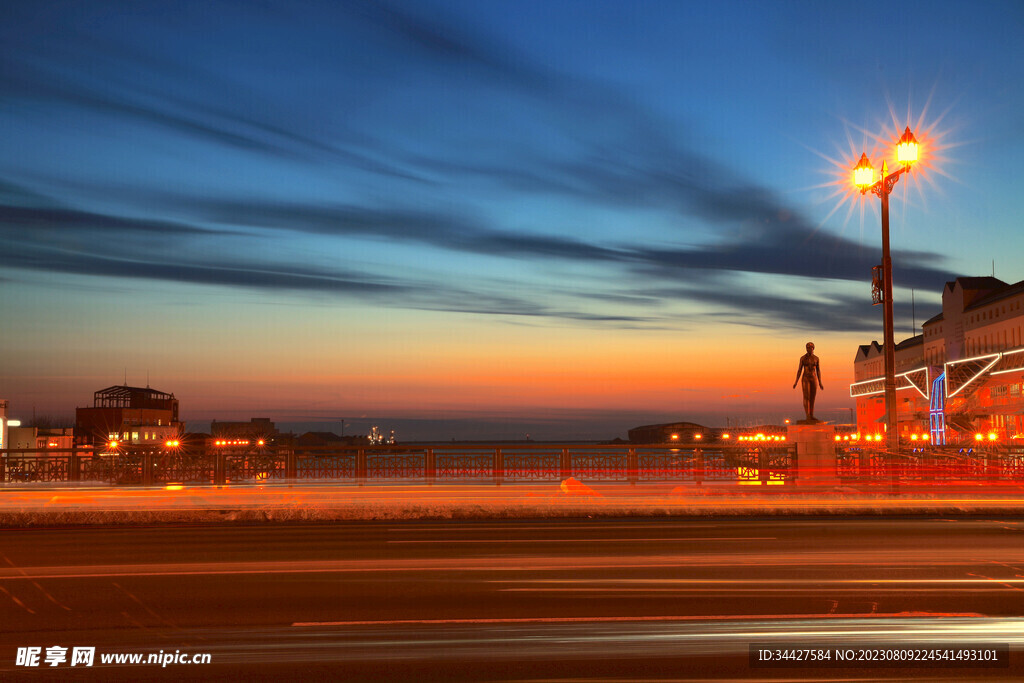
(576,599)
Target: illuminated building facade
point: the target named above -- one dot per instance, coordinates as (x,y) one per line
(4,424)
(961,377)
(129,415)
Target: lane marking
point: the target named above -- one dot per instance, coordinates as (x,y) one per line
(584,620)
(582,540)
(497,564)
(17,602)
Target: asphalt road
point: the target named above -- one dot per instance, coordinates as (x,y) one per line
(512,600)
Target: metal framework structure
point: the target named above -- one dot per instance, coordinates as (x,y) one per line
(130,397)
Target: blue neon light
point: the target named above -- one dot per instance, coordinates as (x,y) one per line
(937,411)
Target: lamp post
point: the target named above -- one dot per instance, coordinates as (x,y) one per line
(864,178)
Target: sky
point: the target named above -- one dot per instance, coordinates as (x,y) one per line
(487,219)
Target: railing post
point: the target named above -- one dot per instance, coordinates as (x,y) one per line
(361,466)
(291,471)
(499,467)
(430,465)
(74,465)
(698,466)
(632,466)
(219,474)
(992,464)
(147,469)
(565,465)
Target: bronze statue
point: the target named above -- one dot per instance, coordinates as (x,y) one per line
(811,371)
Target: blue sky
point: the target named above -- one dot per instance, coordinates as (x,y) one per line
(486,210)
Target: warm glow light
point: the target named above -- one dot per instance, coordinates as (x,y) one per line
(838,438)
(979,437)
(992,436)
(925,437)
(675,437)
(863,172)
(174,487)
(172,443)
(260,442)
(725,436)
(112,443)
(906,150)
(698,436)
(878,437)
(913,437)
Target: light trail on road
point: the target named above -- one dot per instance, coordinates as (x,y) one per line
(513,600)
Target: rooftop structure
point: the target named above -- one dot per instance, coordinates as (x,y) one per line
(130,415)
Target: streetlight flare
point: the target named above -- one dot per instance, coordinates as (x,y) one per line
(864,172)
(906,149)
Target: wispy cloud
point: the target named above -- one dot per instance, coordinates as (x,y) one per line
(616,154)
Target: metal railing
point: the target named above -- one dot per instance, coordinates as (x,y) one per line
(496,463)
(931,463)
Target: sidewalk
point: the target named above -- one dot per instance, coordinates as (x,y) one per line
(303,502)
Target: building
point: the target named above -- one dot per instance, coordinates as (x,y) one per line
(256,429)
(40,438)
(961,376)
(129,415)
(4,424)
(668,433)
(691,433)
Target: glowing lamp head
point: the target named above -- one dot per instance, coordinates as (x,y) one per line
(906,148)
(864,173)
(979,437)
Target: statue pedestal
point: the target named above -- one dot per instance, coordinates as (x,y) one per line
(815,452)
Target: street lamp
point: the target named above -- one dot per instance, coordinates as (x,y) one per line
(864,178)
